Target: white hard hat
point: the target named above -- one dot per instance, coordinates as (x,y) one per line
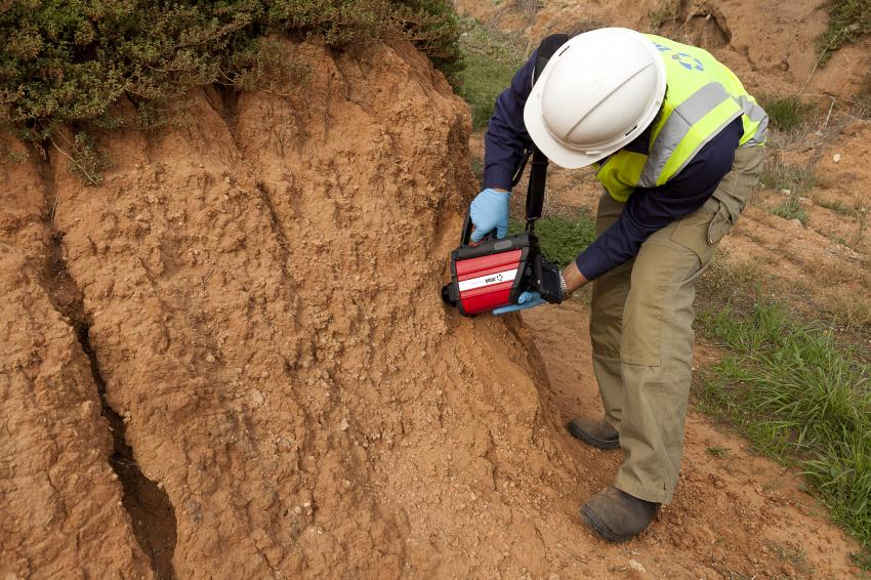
(596,94)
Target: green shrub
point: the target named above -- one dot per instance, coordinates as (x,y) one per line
(69,61)
(791,209)
(848,21)
(561,238)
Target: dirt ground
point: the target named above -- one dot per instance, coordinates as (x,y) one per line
(735,514)
(229,359)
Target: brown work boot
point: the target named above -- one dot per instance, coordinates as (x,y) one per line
(617,516)
(596,433)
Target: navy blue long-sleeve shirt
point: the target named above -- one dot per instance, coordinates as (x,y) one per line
(647,209)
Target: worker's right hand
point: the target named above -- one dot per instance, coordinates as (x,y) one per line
(524,301)
(489,211)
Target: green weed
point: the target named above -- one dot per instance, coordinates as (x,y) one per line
(836,205)
(477,165)
(665,12)
(778,175)
(791,209)
(786,113)
(491,58)
(562,238)
(801,398)
(718,452)
(84,158)
(792,180)
(792,553)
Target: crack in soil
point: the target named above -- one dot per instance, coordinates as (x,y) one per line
(151,513)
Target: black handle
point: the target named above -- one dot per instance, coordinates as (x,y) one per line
(466,234)
(535,191)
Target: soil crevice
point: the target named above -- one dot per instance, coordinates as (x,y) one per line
(151,513)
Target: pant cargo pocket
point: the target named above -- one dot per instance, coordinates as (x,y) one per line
(720,225)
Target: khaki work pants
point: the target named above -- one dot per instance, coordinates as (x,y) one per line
(641,331)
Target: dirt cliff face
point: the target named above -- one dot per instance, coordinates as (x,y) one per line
(252,299)
(61,501)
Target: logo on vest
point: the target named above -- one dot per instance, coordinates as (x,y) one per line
(687,61)
(682,58)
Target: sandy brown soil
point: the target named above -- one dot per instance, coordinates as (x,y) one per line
(774,53)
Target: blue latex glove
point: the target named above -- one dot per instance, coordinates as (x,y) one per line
(489,211)
(524,301)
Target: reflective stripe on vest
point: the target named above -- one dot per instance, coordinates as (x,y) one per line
(756,116)
(676,128)
(703,97)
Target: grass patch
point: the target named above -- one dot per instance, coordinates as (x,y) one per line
(562,238)
(850,314)
(835,205)
(741,285)
(791,209)
(778,175)
(490,59)
(792,180)
(849,20)
(786,113)
(734,284)
(802,399)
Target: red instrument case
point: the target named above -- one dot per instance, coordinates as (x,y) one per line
(490,274)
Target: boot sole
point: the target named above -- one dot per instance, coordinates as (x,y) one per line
(578,433)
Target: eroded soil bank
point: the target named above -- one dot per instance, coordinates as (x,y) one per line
(252,297)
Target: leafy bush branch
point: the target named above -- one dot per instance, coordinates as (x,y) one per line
(67,62)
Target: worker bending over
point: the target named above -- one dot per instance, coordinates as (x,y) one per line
(677,143)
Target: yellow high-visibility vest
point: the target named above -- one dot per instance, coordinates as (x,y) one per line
(703,96)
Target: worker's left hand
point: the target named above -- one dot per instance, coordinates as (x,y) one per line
(488,212)
(524,301)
